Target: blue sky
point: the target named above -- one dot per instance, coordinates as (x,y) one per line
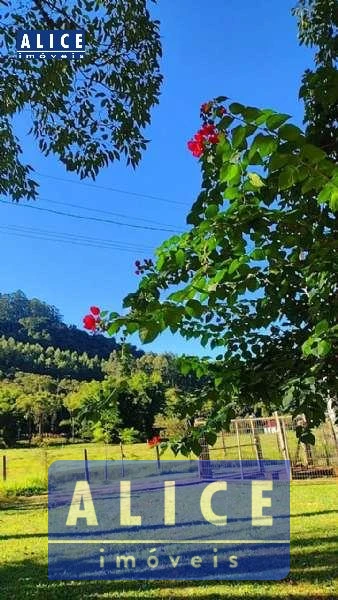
(245,50)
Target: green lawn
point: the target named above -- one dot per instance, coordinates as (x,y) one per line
(26,466)
(314,506)
(30,465)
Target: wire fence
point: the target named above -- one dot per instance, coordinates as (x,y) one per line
(275,438)
(269,438)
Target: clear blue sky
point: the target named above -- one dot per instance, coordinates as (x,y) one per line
(245,50)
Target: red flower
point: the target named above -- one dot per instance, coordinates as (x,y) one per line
(196,148)
(214,139)
(95,311)
(155,441)
(89,322)
(199,137)
(207,134)
(207,129)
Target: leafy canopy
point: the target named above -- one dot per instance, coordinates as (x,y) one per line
(87,112)
(256,274)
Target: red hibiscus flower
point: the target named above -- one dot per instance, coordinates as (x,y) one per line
(95,311)
(89,322)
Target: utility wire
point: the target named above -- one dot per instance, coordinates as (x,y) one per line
(97,219)
(41,237)
(105,212)
(77,237)
(115,190)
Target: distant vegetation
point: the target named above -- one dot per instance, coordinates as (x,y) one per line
(56,380)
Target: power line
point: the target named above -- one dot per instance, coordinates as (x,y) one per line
(78,237)
(105,212)
(33,236)
(115,190)
(97,219)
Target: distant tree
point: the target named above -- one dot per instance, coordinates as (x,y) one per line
(35,321)
(317,27)
(10,417)
(38,400)
(95,404)
(88,112)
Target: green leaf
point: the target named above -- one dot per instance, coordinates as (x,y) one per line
(286,178)
(211,211)
(258,254)
(291,133)
(238,135)
(264,144)
(321,327)
(179,296)
(196,447)
(231,172)
(275,121)
(312,153)
(180,257)
(236,108)
(325,194)
(278,160)
(250,113)
(194,308)
(114,327)
(256,180)
(131,327)
(324,348)
(234,266)
(252,284)
(307,346)
(211,437)
(149,332)
(333,203)
(231,193)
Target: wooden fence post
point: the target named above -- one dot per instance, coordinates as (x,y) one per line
(86,464)
(223,444)
(257,442)
(239,449)
(4,467)
(204,460)
(122,459)
(282,440)
(158,457)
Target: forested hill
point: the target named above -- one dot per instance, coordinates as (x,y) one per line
(36,322)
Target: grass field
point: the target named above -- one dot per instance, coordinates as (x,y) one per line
(28,468)
(314,506)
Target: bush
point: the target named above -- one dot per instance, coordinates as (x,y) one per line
(129,435)
(31,487)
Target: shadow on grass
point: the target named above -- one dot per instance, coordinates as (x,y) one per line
(28,579)
(314,514)
(22,503)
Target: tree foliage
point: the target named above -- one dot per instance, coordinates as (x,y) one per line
(317,25)
(256,274)
(33,321)
(88,112)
